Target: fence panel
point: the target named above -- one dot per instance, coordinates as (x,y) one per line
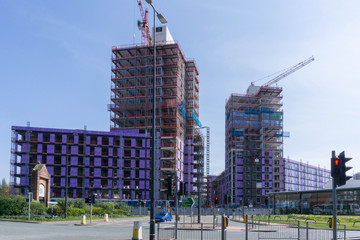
(166,231)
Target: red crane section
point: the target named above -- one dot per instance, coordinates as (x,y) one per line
(144,26)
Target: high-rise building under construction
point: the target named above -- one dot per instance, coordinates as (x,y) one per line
(177,102)
(254,145)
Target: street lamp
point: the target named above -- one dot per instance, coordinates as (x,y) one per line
(152,166)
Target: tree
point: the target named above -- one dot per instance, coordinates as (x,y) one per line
(4,188)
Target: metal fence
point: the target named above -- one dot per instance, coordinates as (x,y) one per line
(166,231)
(293,229)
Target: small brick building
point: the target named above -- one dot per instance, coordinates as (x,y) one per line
(40,183)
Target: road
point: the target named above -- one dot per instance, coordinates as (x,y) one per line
(119,229)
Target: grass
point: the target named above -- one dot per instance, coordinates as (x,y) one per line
(314,221)
(43,218)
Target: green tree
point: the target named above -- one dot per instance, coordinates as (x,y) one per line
(4,188)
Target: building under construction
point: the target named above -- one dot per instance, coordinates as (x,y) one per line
(177,102)
(254,145)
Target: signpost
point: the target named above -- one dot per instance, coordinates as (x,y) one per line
(187,202)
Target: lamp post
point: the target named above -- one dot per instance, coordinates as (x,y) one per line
(152,165)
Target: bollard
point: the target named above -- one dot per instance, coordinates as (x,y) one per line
(106,217)
(83,219)
(137,232)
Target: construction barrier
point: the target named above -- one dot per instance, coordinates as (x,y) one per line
(106,218)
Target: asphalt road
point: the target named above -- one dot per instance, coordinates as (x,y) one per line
(121,229)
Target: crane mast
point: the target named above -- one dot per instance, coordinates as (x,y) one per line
(144,26)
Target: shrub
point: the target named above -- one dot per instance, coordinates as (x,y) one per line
(108,207)
(12,205)
(123,207)
(76,212)
(37,208)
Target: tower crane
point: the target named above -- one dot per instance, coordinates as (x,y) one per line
(287,72)
(144,26)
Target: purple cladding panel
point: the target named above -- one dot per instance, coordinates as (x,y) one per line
(50,148)
(132,173)
(97,183)
(270,184)
(87,151)
(133,142)
(97,151)
(62,182)
(87,140)
(63,160)
(87,172)
(141,184)
(240,184)
(73,171)
(50,170)
(63,140)
(97,162)
(240,161)
(142,163)
(147,183)
(74,193)
(39,148)
(97,172)
(132,153)
(109,183)
(239,192)
(52,138)
(142,174)
(111,152)
(76,139)
(99,140)
(148,174)
(87,161)
(111,141)
(63,171)
(40,137)
(239,169)
(142,153)
(132,163)
(39,158)
(147,163)
(132,184)
(110,173)
(63,149)
(62,193)
(74,150)
(50,160)
(110,162)
(74,161)
(240,176)
(73,182)
(87,182)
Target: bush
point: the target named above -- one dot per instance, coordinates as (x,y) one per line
(108,207)
(37,208)
(76,212)
(12,205)
(125,209)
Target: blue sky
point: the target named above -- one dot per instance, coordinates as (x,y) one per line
(55,65)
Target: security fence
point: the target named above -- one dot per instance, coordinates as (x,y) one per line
(195,231)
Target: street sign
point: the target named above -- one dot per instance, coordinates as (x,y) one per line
(187,202)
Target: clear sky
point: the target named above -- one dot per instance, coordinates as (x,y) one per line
(55,65)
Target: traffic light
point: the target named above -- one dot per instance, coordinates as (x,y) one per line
(170,184)
(182,189)
(216,201)
(88,199)
(93,198)
(335,170)
(343,169)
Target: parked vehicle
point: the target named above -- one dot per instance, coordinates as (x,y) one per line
(163,216)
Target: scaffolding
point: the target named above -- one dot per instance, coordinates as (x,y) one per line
(177,100)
